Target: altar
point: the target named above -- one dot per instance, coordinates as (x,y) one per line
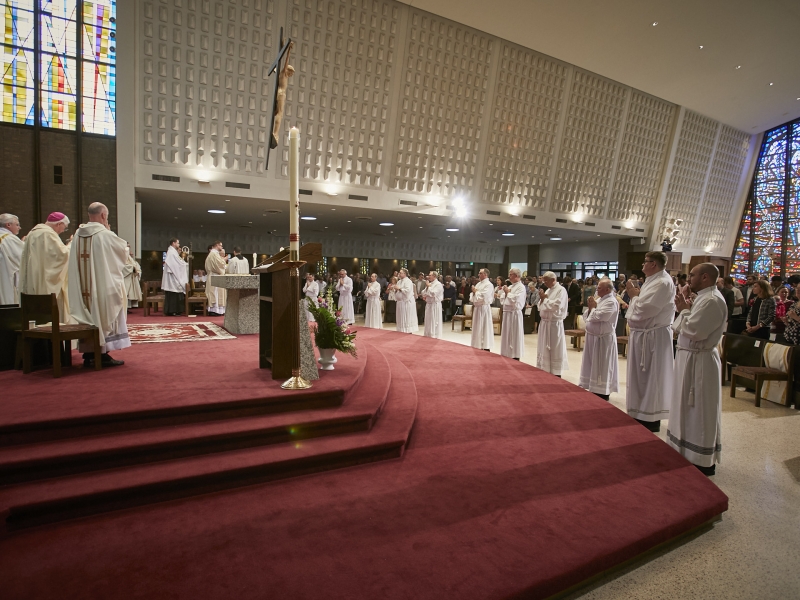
(241,309)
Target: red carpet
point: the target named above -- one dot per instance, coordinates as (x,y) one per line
(513,483)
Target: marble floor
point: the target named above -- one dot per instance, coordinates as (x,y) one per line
(753,552)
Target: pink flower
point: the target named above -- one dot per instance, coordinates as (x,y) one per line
(347,331)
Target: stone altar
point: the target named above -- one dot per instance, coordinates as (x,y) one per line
(241,310)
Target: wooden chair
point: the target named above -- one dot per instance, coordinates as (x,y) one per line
(192,298)
(497,320)
(577,334)
(44,309)
(150,296)
(761,374)
(465,319)
(622,341)
(740,351)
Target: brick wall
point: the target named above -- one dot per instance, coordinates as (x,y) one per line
(16,174)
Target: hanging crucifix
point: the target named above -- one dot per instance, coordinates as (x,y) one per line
(279,93)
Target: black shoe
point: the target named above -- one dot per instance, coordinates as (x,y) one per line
(654,426)
(107,361)
(707,471)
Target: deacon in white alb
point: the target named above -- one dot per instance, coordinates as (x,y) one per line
(96,285)
(696,403)
(216,265)
(133,274)
(512,335)
(345,288)
(552,347)
(311,291)
(432,293)
(372,317)
(482,297)
(406,313)
(45,258)
(10,257)
(651,311)
(174,280)
(599,367)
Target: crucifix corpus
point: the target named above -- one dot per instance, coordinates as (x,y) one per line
(279,92)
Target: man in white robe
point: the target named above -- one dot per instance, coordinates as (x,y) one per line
(481,297)
(310,291)
(45,258)
(372,316)
(10,258)
(345,288)
(650,313)
(96,287)
(432,293)
(238,264)
(512,334)
(406,313)
(695,408)
(600,364)
(215,265)
(551,355)
(133,275)
(174,280)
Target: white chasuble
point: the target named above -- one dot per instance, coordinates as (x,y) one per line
(176,274)
(10,258)
(551,351)
(311,291)
(433,294)
(373,318)
(600,364)
(650,363)
(406,313)
(512,334)
(482,327)
(217,296)
(43,269)
(695,408)
(97,294)
(345,288)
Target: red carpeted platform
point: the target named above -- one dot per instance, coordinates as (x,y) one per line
(513,483)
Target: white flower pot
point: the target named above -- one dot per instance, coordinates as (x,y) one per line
(326,358)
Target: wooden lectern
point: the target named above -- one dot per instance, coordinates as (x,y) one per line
(275,326)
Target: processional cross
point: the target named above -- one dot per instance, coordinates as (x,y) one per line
(279,91)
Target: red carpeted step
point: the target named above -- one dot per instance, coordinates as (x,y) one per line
(78,495)
(63,457)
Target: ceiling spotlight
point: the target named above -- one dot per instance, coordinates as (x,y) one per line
(227,199)
(701,47)
(555,239)
(203,181)
(655,23)
(449,229)
(215,211)
(738,66)
(461,212)
(386,224)
(308,218)
(771,83)
(508,234)
(180,209)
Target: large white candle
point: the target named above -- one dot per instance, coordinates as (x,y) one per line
(254,259)
(294,194)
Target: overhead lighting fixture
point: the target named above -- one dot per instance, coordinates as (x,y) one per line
(203,181)
(701,47)
(738,66)
(227,199)
(449,229)
(386,224)
(216,211)
(514,213)
(555,239)
(308,218)
(508,234)
(771,83)
(655,23)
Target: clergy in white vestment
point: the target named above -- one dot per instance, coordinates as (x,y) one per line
(695,408)
(174,280)
(311,291)
(372,316)
(45,258)
(433,293)
(238,264)
(133,276)
(344,285)
(650,313)
(406,312)
(551,355)
(96,287)
(481,297)
(512,334)
(215,265)
(600,364)
(10,257)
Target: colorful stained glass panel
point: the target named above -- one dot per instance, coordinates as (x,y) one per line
(18,21)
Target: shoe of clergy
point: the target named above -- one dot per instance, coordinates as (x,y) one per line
(654,426)
(707,471)
(107,361)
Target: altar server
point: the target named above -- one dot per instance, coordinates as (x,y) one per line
(174,280)
(432,293)
(311,291)
(481,297)
(650,313)
(133,275)
(238,264)
(599,367)
(372,316)
(96,285)
(552,346)
(345,288)
(696,403)
(512,335)
(10,257)
(215,265)
(45,258)
(406,313)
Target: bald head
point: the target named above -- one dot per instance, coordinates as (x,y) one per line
(98,213)
(605,286)
(703,276)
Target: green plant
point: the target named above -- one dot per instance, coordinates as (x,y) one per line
(331,330)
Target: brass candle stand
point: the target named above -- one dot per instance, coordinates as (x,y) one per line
(296,381)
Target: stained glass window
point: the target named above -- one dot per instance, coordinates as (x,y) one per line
(59,66)
(769,238)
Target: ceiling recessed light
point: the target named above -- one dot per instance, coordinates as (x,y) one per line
(387,224)
(180,209)
(175,217)
(701,47)
(449,229)
(771,83)
(326,227)
(508,234)
(420,226)
(333,209)
(308,218)
(490,224)
(349,221)
(203,181)
(227,199)
(215,211)
(555,239)
(250,222)
(738,66)
(655,23)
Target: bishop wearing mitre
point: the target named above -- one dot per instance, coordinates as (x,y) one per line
(96,288)
(174,280)
(372,316)
(482,297)
(215,265)
(432,293)
(10,257)
(45,259)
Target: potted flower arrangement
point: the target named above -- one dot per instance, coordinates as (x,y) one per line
(332,333)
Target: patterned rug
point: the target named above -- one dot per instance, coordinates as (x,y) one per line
(177,332)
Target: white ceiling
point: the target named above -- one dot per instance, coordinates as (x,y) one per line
(617,39)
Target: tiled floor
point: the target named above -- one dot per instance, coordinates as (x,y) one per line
(753,553)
